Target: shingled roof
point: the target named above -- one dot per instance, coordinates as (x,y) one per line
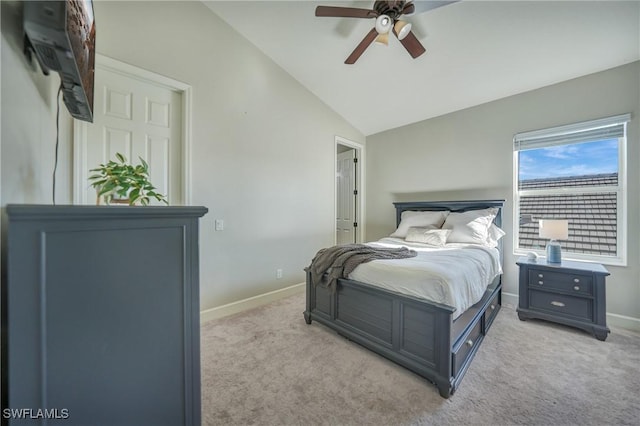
(591,216)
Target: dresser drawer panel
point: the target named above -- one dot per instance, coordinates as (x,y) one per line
(558,304)
(564,281)
(471,340)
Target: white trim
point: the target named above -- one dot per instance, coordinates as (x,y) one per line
(511,300)
(186,145)
(620,259)
(622,321)
(623,194)
(250,303)
(361,178)
(130,71)
(79,159)
(572,128)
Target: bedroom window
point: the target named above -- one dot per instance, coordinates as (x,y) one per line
(574,172)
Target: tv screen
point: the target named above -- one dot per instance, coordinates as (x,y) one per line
(63,36)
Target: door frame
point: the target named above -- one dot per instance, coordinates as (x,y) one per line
(360,179)
(80,128)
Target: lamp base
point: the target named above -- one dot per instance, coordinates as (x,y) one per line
(554,252)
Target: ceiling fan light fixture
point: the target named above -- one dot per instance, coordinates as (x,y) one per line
(382,39)
(383,24)
(402,29)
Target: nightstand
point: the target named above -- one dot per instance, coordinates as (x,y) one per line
(570,293)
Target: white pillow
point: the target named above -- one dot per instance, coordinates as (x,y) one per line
(410,218)
(428,235)
(471,226)
(494,235)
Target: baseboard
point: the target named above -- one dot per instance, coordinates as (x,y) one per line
(510,299)
(250,303)
(613,320)
(621,321)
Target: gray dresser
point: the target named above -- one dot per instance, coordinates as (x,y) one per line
(100,314)
(571,293)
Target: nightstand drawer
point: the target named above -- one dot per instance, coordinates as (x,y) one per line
(558,304)
(568,282)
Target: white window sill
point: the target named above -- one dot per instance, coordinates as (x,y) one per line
(605,260)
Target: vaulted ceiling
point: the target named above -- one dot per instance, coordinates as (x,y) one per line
(476,52)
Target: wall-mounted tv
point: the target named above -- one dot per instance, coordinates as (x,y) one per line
(63,36)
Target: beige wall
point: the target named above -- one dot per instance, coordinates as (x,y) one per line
(468,154)
(29,123)
(262,147)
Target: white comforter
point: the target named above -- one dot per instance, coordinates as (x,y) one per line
(456,275)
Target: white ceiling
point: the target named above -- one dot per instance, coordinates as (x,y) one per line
(477,51)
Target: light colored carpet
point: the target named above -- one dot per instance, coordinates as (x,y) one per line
(268,367)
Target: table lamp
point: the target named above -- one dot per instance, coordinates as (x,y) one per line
(554,229)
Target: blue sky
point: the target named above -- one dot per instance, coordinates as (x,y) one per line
(569,160)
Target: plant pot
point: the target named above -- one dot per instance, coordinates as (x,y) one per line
(119,202)
(114,199)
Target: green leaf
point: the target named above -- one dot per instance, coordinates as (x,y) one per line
(122,178)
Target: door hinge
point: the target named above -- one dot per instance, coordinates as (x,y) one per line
(355,224)
(355,192)
(355,160)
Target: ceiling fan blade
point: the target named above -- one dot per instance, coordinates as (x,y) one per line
(359,50)
(412,44)
(345,12)
(423,6)
(408,8)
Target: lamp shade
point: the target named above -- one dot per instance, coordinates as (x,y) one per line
(554,229)
(383,24)
(402,29)
(382,39)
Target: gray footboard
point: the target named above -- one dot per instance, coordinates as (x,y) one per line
(414,333)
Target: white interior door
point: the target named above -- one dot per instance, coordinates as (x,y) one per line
(346,197)
(136,117)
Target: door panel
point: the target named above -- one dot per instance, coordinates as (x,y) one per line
(346,199)
(137,118)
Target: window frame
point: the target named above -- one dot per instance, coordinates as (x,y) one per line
(620,259)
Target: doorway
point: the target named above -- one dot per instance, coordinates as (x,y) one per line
(349,161)
(137,113)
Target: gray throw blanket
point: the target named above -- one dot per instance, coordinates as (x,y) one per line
(335,262)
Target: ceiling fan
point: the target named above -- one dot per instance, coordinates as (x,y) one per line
(387,14)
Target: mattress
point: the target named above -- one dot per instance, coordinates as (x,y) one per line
(456,275)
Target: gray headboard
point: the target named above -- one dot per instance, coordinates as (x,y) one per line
(453,206)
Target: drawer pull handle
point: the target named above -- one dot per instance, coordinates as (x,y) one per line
(576,280)
(541,282)
(469,342)
(560,304)
(540,275)
(576,287)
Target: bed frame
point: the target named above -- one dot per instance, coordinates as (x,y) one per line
(414,333)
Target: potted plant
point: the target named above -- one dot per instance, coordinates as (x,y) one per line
(122,183)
